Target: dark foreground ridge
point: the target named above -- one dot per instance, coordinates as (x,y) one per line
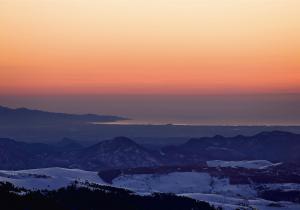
(94,197)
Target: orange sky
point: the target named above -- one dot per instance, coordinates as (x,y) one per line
(157,46)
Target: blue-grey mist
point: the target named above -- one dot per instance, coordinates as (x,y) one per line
(251,109)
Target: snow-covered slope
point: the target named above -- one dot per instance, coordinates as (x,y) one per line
(173,182)
(233,203)
(182,182)
(48,178)
(197,185)
(251,164)
(202,186)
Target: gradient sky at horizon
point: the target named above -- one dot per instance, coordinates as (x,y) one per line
(52,47)
(197,61)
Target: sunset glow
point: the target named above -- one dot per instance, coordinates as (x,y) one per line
(158,46)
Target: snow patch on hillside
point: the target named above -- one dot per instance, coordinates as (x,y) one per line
(233,203)
(200,186)
(48,178)
(182,182)
(173,182)
(250,164)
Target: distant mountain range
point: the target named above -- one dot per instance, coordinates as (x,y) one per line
(122,152)
(24,115)
(273,146)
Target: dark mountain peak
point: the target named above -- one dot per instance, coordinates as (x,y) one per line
(67,144)
(274,133)
(123,140)
(239,137)
(191,141)
(218,137)
(117,142)
(7,141)
(262,135)
(120,152)
(67,140)
(273,146)
(202,140)
(15,155)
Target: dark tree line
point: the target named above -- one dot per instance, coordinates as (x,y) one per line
(93,197)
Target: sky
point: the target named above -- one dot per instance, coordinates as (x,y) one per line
(55,47)
(201,61)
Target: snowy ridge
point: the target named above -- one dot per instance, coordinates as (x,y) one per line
(48,178)
(196,185)
(232,203)
(250,164)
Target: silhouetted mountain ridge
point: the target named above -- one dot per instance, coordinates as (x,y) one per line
(20,155)
(24,115)
(273,146)
(122,152)
(67,144)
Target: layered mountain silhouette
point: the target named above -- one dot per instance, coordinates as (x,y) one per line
(67,144)
(272,146)
(24,115)
(122,152)
(21,155)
